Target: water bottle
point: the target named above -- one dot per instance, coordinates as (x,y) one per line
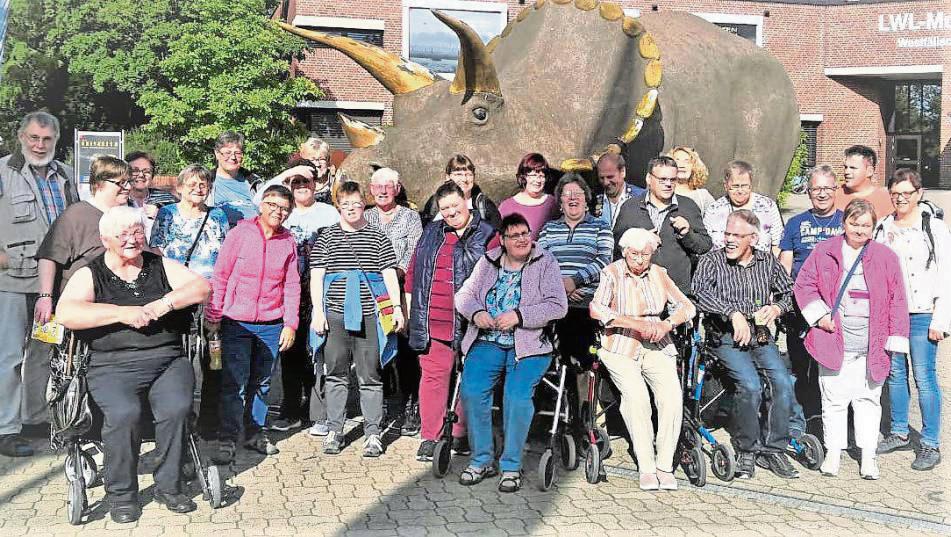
(214,352)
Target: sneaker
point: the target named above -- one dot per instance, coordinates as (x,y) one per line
(893,442)
(372,446)
(319,428)
(927,458)
(261,444)
(333,444)
(830,465)
(869,468)
(411,420)
(745,465)
(285,424)
(225,453)
(460,446)
(426,451)
(778,463)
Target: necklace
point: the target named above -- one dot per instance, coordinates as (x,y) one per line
(819,223)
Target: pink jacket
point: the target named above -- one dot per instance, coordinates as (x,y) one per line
(817,286)
(256,279)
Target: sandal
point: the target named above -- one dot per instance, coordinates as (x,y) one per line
(472,475)
(510,482)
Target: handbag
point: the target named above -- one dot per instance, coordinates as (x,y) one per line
(845,282)
(67,392)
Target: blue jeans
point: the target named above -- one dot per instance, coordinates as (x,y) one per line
(248,354)
(746,366)
(484,365)
(924,354)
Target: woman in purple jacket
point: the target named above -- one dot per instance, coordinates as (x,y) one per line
(840,284)
(514,294)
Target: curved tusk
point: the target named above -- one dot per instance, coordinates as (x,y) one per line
(359,133)
(475,71)
(396,74)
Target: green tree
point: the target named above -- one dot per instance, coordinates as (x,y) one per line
(228,70)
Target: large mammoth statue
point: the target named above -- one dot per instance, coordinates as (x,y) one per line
(572,79)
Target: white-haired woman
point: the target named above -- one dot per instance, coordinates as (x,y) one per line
(129,305)
(637,350)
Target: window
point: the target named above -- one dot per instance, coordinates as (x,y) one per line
(430,43)
(366,30)
(323,121)
(748,27)
(810,129)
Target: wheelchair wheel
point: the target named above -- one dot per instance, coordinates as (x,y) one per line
(695,466)
(604,443)
(213,477)
(812,454)
(546,470)
(592,466)
(76,501)
(723,462)
(569,452)
(442,456)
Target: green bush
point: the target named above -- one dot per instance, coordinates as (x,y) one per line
(167,155)
(795,170)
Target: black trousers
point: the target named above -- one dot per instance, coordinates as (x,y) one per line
(120,390)
(297,375)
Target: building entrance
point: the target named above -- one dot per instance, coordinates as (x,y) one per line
(913,126)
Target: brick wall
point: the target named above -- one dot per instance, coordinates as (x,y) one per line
(806,39)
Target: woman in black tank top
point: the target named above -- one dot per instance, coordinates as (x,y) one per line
(128,305)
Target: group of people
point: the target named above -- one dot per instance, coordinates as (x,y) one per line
(298,270)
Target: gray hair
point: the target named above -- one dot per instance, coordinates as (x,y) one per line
(118,219)
(639,239)
(747,216)
(822,169)
(41,118)
(229,137)
(320,145)
(386,174)
(193,170)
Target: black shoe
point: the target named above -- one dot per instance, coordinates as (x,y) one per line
(745,465)
(411,421)
(426,451)
(777,463)
(124,513)
(13,445)
(225,453)
(176,503)
(927,458)
(285,424)
(261,444)
(460,446)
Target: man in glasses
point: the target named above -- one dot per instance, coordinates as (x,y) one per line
(142,196)
(738,184)
(675,219)
(34,190)
(741,290)
(234,186)
(803,232)
(859,172)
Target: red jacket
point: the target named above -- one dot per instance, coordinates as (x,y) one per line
(817,286)
(256,279)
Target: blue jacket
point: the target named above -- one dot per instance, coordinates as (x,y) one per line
(471,247)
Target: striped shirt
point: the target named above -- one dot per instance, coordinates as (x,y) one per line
(581,252)
(337,250)
(644,296)
(725,287)
(54,203)
(403,231)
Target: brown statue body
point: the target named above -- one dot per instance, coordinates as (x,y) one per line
(573,80)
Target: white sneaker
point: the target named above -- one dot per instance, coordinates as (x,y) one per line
(319,428)
(869,467)
(830,466)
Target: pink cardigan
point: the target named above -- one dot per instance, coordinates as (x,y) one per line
(256,279)
(817,286)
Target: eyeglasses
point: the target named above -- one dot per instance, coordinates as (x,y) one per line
(903,195)
(823,189)
(273,207)
(518,236)
(728,235)
(45,140)
(350,204)
(535,173)
(572,195)
(237,155)
(461,174)
(739,188)
(382,189)
(301,182)
(665,180)
(192,187)
(639,256)
(146,171)
(321,159)
(138,235)
(124,184)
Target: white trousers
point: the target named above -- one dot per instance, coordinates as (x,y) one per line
(850,385)
(632,377)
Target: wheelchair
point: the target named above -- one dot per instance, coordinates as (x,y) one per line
(75,423)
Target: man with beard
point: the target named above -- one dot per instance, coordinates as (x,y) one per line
(611,175)
(34,190)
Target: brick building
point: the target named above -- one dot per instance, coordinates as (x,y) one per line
(865,71)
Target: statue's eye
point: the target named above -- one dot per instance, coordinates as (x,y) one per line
(480,114)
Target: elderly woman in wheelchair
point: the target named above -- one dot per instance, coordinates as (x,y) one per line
(631,302)
(129,306)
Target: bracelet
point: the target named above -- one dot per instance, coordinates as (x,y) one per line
(44,295)
(168,302)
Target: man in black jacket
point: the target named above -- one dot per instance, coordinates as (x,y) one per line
(676,219)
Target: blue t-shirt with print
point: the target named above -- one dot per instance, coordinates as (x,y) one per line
(804,231)
(175,234)
(234,197)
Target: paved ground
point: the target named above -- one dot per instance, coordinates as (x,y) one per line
(303,492)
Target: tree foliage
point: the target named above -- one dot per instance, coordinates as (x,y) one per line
(177,71)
